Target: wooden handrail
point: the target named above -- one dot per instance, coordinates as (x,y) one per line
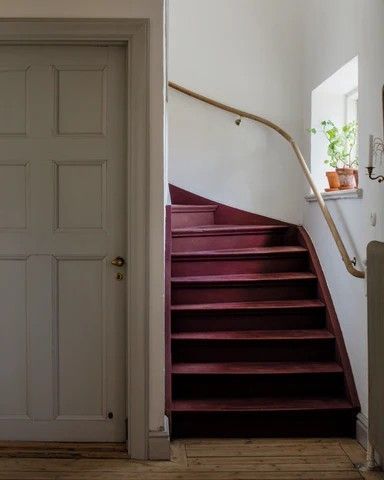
(349,264)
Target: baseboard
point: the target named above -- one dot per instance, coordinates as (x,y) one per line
(362,430)
(159,444)
(362,436)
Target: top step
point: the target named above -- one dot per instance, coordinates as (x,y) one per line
(193,208)
(192,215)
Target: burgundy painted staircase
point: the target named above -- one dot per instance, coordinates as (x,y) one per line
(254,347)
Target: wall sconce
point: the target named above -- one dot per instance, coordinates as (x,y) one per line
(379,178)
(376,146)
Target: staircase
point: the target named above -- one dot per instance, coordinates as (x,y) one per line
(254,347)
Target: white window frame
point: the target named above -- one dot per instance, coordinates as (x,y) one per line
(351,101)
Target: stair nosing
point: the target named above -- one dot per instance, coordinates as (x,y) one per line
(256,368)
(261,305)
(193,208)
(259,335)
(243,279)
(240,253)
(276,405)
(223,230)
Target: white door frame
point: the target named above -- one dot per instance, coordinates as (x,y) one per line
(133,34)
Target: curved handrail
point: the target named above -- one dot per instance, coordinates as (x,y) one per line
(349,264)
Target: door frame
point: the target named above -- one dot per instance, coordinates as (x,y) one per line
(134,36)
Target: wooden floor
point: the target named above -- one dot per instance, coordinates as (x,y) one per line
(261,459)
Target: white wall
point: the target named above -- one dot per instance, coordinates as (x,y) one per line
(247,54)
(152,9)
(335,32)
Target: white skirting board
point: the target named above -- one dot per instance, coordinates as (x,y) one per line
(159,443)
(362,430)
(362,435)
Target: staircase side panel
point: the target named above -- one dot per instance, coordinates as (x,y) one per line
(331,317)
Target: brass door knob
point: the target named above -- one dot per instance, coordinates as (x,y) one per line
(118,261)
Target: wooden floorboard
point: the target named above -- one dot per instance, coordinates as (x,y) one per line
(63,450)
(199,459)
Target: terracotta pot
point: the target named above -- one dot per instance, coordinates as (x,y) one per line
(347,178)
(356,173)
(333,181)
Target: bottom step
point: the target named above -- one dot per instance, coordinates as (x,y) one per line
(338,423)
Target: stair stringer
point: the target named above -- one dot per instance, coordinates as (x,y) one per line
(331,316)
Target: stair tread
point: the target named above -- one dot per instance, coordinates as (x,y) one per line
(260,305)
(245,277)
(263,404)
(216,228)
(257,368)
(321,334)
(194,208)
(275,250)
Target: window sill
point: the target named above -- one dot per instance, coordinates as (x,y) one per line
(338,195)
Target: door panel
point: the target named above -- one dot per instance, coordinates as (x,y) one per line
(13,100)
(74,210)
(62,221)
(13,343)
(41,345)
(84,393)
(13,196)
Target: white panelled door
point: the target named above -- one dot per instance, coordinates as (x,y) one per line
(62,222)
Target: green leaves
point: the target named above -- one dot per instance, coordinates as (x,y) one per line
(342,143)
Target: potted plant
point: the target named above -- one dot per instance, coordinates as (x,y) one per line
(341,154)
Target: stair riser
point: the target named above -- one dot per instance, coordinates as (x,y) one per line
(231,266)
(313,424)
(218,242)
(252,351)
(257,321)
(244,293)
(191,219)
(250,386)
